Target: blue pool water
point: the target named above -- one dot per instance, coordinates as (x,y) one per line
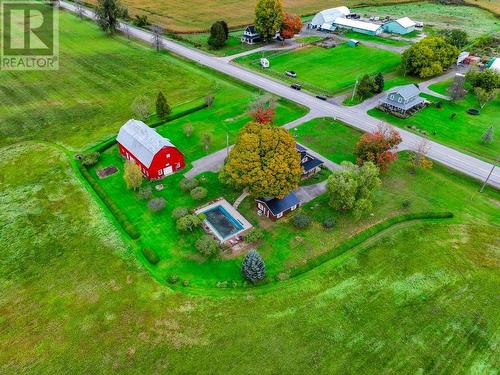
(222,222)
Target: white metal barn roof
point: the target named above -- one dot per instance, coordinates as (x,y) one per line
(406,22)
(347,22)
(141,140)
(329,15)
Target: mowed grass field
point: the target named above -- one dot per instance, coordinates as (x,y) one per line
(474,20)
(419,298)
(462,132)
(326,70)
(197,15)
(90,96)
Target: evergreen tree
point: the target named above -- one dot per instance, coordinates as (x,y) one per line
(488,136)
(225,27)
(107,14)
(162,107)
(379,83)
(253,268)
(217,36)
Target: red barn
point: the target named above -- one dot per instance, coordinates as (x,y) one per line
(156,156)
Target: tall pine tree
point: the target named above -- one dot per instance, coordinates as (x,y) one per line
(379,83)
(107,14)
(162,107)
(488,136)
(253,268)
(217,36)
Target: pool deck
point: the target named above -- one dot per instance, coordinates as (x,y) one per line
(232,211)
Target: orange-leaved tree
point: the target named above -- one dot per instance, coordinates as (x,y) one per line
(379,147)
(262,110)
(291,26)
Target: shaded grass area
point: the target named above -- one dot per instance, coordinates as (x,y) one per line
(325,70)
(420,297)
(462,132)
(332,139)
(439,16)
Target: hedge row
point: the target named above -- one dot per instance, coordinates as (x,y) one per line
(150,255)
(175,116)
(119,216)
(363,236)
(103,146)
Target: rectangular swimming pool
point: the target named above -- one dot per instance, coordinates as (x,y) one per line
(222,222)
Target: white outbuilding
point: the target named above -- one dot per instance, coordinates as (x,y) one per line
(329,15)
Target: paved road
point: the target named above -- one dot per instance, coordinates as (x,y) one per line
(454,159)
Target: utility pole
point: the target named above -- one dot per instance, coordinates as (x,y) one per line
(489,175)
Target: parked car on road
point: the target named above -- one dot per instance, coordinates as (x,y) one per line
(291,73)
(296,86)
(321,97)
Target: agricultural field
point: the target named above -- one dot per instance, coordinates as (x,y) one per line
(474,20)
(462,132)
(328,71)
(197,16)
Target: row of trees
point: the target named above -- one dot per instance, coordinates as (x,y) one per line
(369,85)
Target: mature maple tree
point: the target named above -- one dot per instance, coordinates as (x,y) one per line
(264,160)
(291,26)
(378,147)
(268,18)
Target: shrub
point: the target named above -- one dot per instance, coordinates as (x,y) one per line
(187,223)
(206,245)
(150,255)
(90,159)
(221,284)
(254,235)
(209,100)
(145,192)
(172,279)
(199,193)
(179,212)
(439,105)
(282,276)
(253,268)
(185,282)
(301,221)
(156,204)
(406,203)
(188,184)
(329,223)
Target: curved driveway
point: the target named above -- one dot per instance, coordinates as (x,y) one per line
(461,162)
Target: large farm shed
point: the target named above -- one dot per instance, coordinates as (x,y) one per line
(358,26)
(156,156)
(400,26)
(327,16)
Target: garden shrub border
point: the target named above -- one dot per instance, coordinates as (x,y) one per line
(127,226)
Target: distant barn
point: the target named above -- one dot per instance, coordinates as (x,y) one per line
(400,26)
(155,155)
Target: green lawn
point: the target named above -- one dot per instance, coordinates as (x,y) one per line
(233,45)
(309,39)
(462,132)
(375,39)
(90,97)
(420,297)
(324,70)
(439,16)
(332,139)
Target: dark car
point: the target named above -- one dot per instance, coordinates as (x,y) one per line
(279,38)
(296,86)
(291,73)
(321,97)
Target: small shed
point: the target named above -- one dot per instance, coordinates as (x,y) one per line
(353,43)
(400,26)
(264,63)
(275,208)
(495,65)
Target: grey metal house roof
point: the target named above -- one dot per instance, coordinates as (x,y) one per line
(141,140)
(406,91)
(404,106)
